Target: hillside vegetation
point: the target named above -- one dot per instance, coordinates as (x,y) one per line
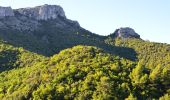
(12,57)
(81,72)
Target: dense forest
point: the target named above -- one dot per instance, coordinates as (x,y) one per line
(87,72)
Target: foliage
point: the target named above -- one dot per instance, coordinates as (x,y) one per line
(81,72)
(153,69)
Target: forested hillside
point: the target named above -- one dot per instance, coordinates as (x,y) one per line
(149,53)
(84,72)
(13,57)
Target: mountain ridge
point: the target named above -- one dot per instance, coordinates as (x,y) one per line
(47,36)
(24,31)
(32,15)
(50,12)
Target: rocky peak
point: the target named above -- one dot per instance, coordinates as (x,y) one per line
(125,32)
(43,12)
(6,11)
(27,19)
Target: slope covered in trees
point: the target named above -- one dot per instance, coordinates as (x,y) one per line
(83,72)
(149,54)
(12,57)
(155,57)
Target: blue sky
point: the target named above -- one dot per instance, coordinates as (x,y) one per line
(149,18)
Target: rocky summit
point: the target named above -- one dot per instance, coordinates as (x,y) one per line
(43,12)
(31,19)
(125,32)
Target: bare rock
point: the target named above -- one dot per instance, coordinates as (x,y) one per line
(125,32)
(33,19)
(43,12)
(6,11)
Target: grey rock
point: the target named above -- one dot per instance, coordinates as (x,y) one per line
(21,24)
(29,20)
(43,12)
(126,32)
(6,11)
(45,39)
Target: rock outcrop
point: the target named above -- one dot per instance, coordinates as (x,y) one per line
(43,12)
(6,11)
(125,32)
(31,19)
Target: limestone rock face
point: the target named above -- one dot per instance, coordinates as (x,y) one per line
(31,19)
(43,12)
(126,32)
(6,11)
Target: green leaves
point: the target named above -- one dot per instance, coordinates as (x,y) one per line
(81,72)
(138,77)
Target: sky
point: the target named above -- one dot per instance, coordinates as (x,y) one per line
(149,18)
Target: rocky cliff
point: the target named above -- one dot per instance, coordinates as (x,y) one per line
(6,11)
(125,32)
(43,12)
(32,19)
